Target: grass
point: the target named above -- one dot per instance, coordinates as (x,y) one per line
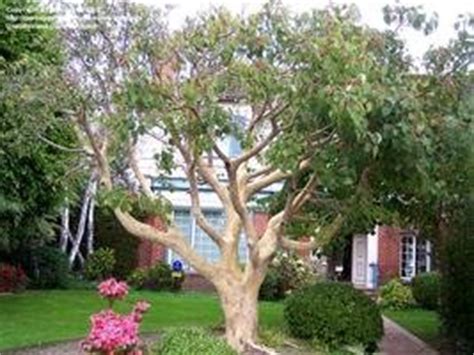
(423,323)
(38,317)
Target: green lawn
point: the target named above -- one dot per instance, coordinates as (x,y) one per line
(423,323)
(33,318)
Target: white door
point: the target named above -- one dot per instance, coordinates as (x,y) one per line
(359,260)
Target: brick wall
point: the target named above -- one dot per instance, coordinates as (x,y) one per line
(149,252)
(389,253)
(196,282)
(260,221)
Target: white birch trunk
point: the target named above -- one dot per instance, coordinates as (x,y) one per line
(63,241)
(82,218)
(90,222)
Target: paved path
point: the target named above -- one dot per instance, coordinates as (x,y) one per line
(398,341)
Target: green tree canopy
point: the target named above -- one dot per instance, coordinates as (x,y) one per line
(32,167)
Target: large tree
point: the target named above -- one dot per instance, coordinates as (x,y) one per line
(332,104)
(32,168)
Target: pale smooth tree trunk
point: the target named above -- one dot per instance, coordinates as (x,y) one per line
(239,303)
(90,189)
(64,228)
(90,222)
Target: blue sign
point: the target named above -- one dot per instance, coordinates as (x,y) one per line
(177,266)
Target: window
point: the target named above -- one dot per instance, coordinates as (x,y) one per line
(423,256)
(199,240)
(415,256)
(408,257)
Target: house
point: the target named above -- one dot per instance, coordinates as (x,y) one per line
(387,253)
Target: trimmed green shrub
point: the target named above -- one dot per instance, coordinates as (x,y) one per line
(158,277)
(100,264)
(334,314)
(395,295)
(137,278)
(47,268)
(426,290)
(191,341)
(286,273)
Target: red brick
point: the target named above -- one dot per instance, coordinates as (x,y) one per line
(149,253)
(260,221)
(389,253)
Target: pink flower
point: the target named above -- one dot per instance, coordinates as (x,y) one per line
(141,307)
(111,331)
(113,289)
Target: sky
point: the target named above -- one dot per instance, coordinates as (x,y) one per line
(371,12)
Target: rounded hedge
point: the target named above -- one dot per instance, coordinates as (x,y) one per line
(334,314)
(191,341)
(395,295)
(426,290)
(159,277)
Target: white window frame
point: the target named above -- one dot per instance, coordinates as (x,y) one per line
(413,263)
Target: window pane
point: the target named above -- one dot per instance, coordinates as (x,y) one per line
(243,252)
(183,221)
(202,243)
(407,255)
(421,257)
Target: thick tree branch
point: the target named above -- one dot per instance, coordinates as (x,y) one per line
(171,238)
(256,149)
(196,208)
(61,147)
(273,177)
(237,192)
(323,237)
(144,184)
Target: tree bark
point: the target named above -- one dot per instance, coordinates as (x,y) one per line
(64,228)
(88,195)
(90,222)
(239,301)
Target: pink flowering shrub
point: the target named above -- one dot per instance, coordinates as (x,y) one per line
(112,333)
(113,289)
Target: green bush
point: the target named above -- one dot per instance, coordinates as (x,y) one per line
(426,290)
(109,233)
(270,289)
(158,277)
(286,273)
(395,295)
(137,278)
(47,268)
(192,341)
(334,314)
(100,264)
(457,283)
(76,282)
